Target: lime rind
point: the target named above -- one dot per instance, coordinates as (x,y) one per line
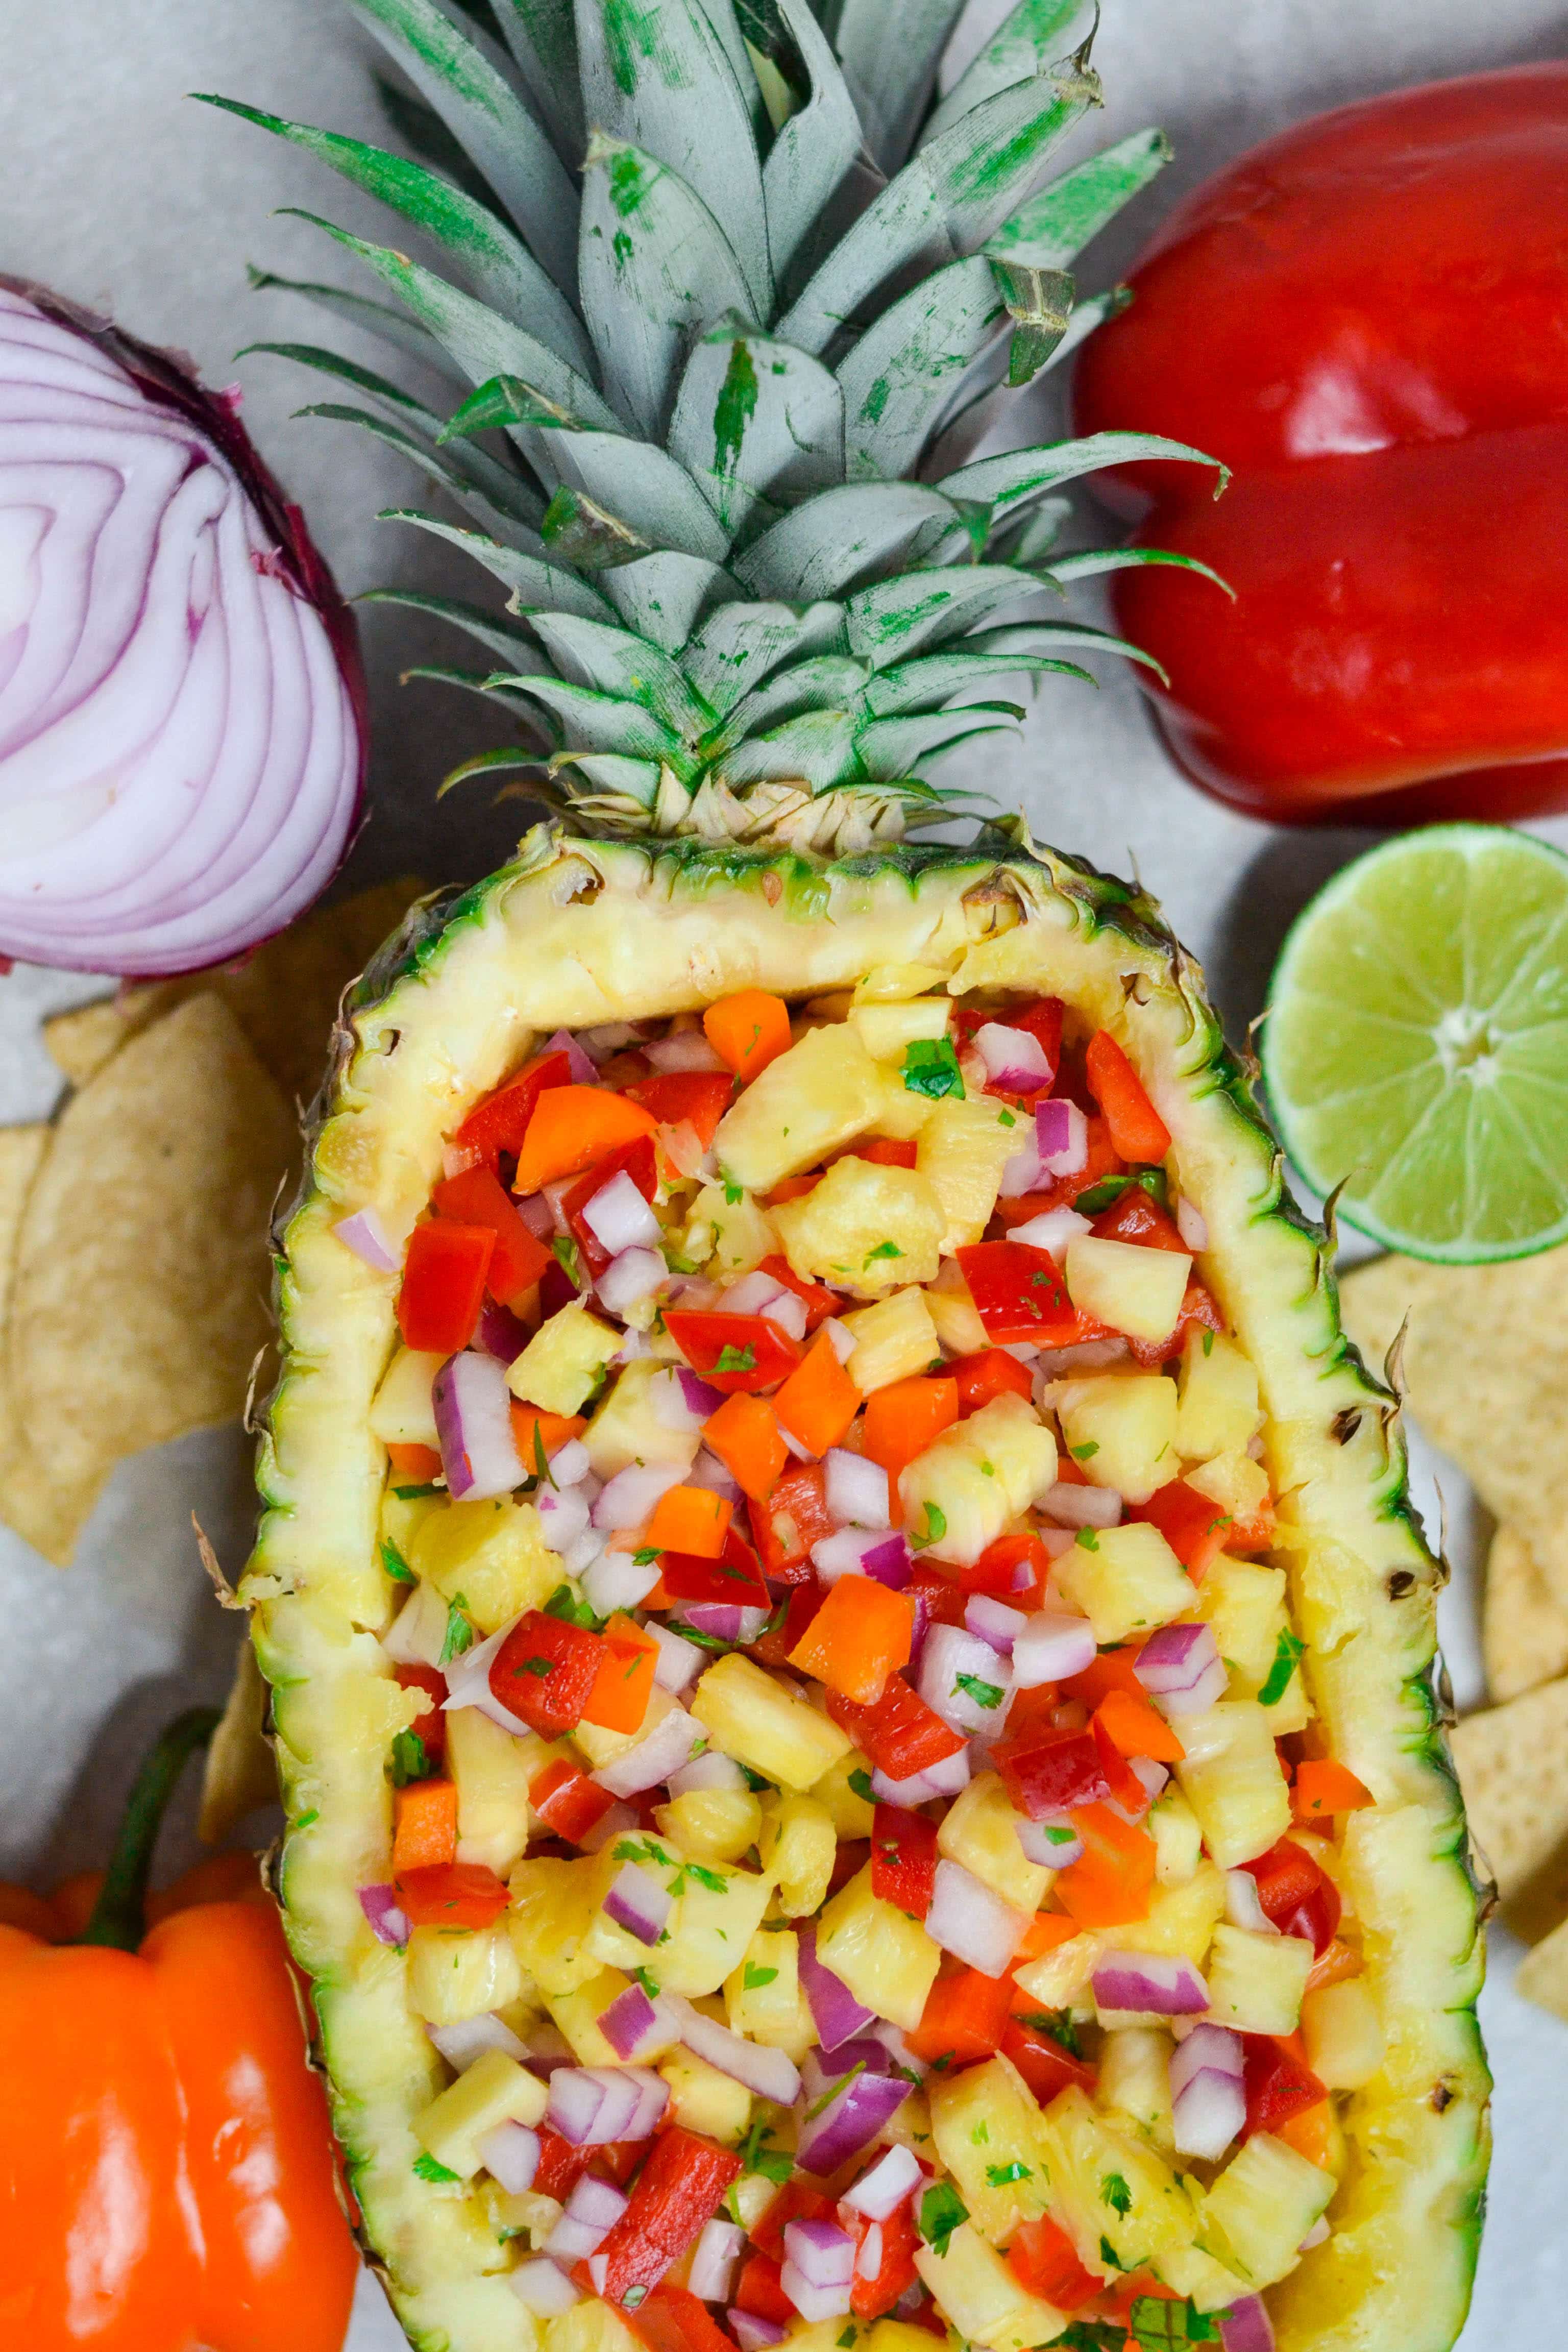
(1416,1051)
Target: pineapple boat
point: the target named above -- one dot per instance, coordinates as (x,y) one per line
(851,1670)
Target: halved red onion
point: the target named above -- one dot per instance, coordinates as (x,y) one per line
(181,700)
(548,2047)
(591,2105)
(388,1922)
(1014,1058)
(856,1489)
(724,1620)
(634,2026)
(1246,2327)
(613,1581)
(368,1238)
(511,2152)
(627,1500)
(639,1901)
(473,1428)
(963,1679)
(580,1067)
(1061,1136)
(563,1514)
(1208,2097)
(947,1777)
(1057,1542)
(678,1662)
(855,2095)
(619,1218)
(667,1748)
(1244,1905)
(1051,1230)
(542,2288)
(970,1920)
(768,2072)
(585,2220)
(880,2192)
(683,1049)
(632,1275)
(1051,1647)
(1082,1507)
(1147,1984)
(993,1622)
(753,2332)
(1191,1224)
(1054,1844)
(1181,1668)
(711,1771)
(461,2043)
(501,1334)
(835,2012)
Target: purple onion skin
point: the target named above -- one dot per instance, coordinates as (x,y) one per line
(166,382)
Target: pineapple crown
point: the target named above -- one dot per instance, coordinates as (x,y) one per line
(741,295)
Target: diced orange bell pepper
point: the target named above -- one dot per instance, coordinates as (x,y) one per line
(819,1399)
(1046,1931)
(791,1188)
(1111,1882)
(1042,2259)
(1310,2134)
(1137,1729)
(425,1813)
(901,1421)
(963,2018)
(1137,1130)
(1111,1671)
(691,1519)
(744,1435)
(573,1127)
(749,1031)
(537,1433)
(415,1464)
(624,1684)
(861,1634)
(1334,1964)
(1324,1788)
(996,1569)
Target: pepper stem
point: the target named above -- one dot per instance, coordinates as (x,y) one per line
(119,1917)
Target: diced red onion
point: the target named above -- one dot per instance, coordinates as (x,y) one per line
(1053,1844)
(591,2105)
(1023,1173)
(639,1901)
(868,2259)
(1148,1984)
(993,1622)
(842,1340)
(632,1275)
(548,2047)
(1191,1224)
(794,1447)
(461,2043)
(946,1777)
(1051,1230)
(856,1489)
(1051,1648)
(1015,1058)
(1057,1543)
(892,1563)
(627,1499)
(634,2026)
(952,1657)
(614,1580)
(821,2252)
(1319,2232)
(1181,1668)
(815,2303)
(570,1464)
(618,1822)
(970,1920)
(724,1620)
(1208,2101)
(863,2104)
(388,1922)
(753,2332)
(761,1294)
(537,1215)
(511,2152)
(543,2288)
(473,1427)
(895,2041)
(1244,1905)
(683,1049)
(845,1552)
(457,1159)
(681,1400)
(713,2261)
(608,1037)
(619,1218)
(563,1514)
(711,1771)
(585,2220)
(678,1662)
(880,2192)
(555,1194)
(707,1471)
(667,1748)
(1083,1356)
(366,1235)
(1061,1134)
(469,1682)
(1246,2327)
(685,1150)
(1082,1507)
(500,1333)
(1152,1776)
(580,1067)
(835,2012)
(768,2072)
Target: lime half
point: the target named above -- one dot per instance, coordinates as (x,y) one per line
(1416,1045)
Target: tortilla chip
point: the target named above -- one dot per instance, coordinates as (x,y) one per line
(1513,1763)
(1524,1628)
(1542,1974)
(1486,1364)
(140,1294)
(79,1043)
(21,1155)
(239,1774)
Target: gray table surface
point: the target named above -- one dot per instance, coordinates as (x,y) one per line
(117,191)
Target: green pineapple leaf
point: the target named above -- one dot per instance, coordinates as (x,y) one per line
(532,582)
(1038,34)
(1055,225)
(891,50)
(814,149)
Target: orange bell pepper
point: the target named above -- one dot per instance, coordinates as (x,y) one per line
(744,1435)
(819,1399)
(415,1464)
(624,1684)
(452,1894)
(861,1634)
(1137,1130)
(963,2018)
(168,2170)
(902,1420)
(1113,1878)
(573,1127)
(691,1519)
(1324,1788)
(749,1031)
(536,1432)
(425,1812)
(1134,1727)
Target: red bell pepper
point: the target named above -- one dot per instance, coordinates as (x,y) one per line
(1044,2065)
(1048,1772)
(1198,1307)
(430,1728)
(443,1285)
(695,1099)
(638,1160)
(678,2192)
(963,2019)
(760,2291)
(734,1353)
(1134,1216)
(1384,450)
(1125,1788)
(818,1301)
(943,1593)
(1136,1128)
(1020,1295)
(794,1516)
(904,1859)
(671,2319)
(567,1801)
(775,1644)
(1279,2082)
(452,1894)
(544,1671)
(900,1733)
(499,1123)
(1299,1897)
(993,1373)
(561,2166)
(797,2200)
(478,1197)
(1191,1524)
(1103,1159)
(871,2298)
(734,1577)
(996,1569)
(1041,2258)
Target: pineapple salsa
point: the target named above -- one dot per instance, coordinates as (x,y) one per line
(861,1845)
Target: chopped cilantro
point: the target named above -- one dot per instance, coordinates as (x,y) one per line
(982,1694)
(755,1978)
(645,1554)
(883,1249)
(541,1459)
(305,1819)
(1114,2192)
(569,1259)
(1287,1650)
(733,1193)
(459,1633)
(1085,1453)
(1109,1189)
(633,2296)
(417,1494)
(392,1561)
(1006,1118)
(1109,2257)
(563,1603)
(410,1760)
(943,2210)
(935,1528)
(999,2175)
(1208,1343)
(1090,2336)
(1056,2025)
(981,2135)
(1056,1835)
(841,2082)
(861,1783)
(1087,1538)
(540,1666)
(736,1359)
(429,2169)
(847,2339)
(776,2163)
(1157,2325)
(930,1067)
(649,1982)
(755,1779)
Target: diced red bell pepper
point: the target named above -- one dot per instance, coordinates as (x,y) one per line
(998,1566)
(1279,2082)
(760,2291)
(1191,1524)
(797,2200)
(671,2319)
(944,1595)
(1198,1307)
(452,1894)
(1135,1217)
(678,2192)
(903,1860)
(882,1151)
(1042,1020)
(637,1160)
(544,1671)
(900,1733)
(1125,1788)
(443,1285)
(1112,1670)
(776,1646)
(478,1197)
(963,2018)
(1136,1128)
(1019,1294)
(734,1353)
(431,1726)
(735,1577)
(695,1099)
(1048,1771)
(993,1373)
(1044,2064)
(871,2298)
(561,2166)
(567,1801)
(1103,1159)
(818,1301)
(1297,1895)
(850,1859)
(794,1516)
(499,1123)
(1041,2258)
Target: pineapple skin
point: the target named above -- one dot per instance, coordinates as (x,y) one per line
(575,932)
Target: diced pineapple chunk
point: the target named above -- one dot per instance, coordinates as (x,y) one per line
(1178,1839)
(1220,1411)
(798,1846)
(1135,2080)
(625,1429)
(1120,1429)
(490,1557)
(1061,1980)
(1084,2152)
(492,1772)
(494,2090)
(736,1235)
(865,1228)
(980,1830)
(981,2296)
(1343,2034)
(1179,1920)
(578,2014)
(1256,1982)
(560,1368)
(1234,1483)
(963,1147)
(599,1745)
(979,1476)
(1207,2284)
(552,1908)
(853,1814)
(985,2121)
(889,1963)
(888,1030)
(714,1824)
(452,1975)
(1255,2215)
(1246,1606)
(1132,1288)
(403,1413)
(701,2099)
(591,2326)
(762,1996)
(749,1716)
(892,983)
(1125,1580)
(958,1324)
(1232,1779)
(893,1340)
(715,1922)
(824,1092)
